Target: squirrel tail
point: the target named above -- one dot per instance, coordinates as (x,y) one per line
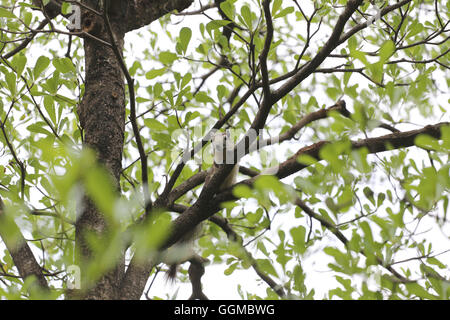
(171,274)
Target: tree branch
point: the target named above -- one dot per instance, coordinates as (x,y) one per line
(266,49)
(197,180)
(27,40)
(136,130)
(233,236)
(311,117)
(19,250)
(143,12)
(199,11)
(365,24)
(323,53)
(331,227)
(196,271)
(162,200)
(391,141)
(388,142)
(207,204)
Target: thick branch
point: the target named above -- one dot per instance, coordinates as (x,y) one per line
(196,271)
(132,98)
(197,180)
(290,166)
(19,250)
(374,145)
(388,142)
(143,12)
(272,98)
(102,116)
(135,278)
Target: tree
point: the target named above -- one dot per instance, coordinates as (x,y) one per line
(340,131)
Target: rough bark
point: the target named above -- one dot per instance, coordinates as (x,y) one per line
(387,142)
(19,250)
(102,115)
(143,12)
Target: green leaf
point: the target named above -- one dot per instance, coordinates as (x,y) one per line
(167,57)
(276,6)
(215,24)
(157,90)
(42,63)
(230,269)
(10,78)
(64,65)
(155,73)
(339,257)
(299,236)
(242,191)
(202,96)
(361,56)
(369,194)
(247,16)
(376,71)
(228,9)
(386,50)
(306,159)
(368,236)
(445,130)
(185,38)
(155,124)
(414,28)
(255,217)
(18,62)
(352,44)
(267,182)
(50,107)
(4,13)
(284,12)
(380,199)
(333,92)
(436,262)
(38,128)
(266,266)
(186,79)
(99,186)
(66,8)
(427,142)
(417,290)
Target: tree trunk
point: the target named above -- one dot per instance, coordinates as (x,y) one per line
(102,116)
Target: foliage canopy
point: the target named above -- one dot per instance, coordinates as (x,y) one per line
(97,122)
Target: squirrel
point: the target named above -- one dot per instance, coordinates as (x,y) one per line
(183,251)
(223,150)
(180,252)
